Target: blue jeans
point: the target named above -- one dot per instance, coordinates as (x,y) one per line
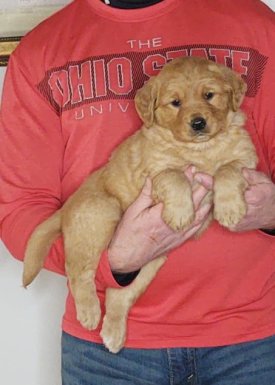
(250,363)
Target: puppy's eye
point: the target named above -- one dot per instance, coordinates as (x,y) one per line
(208,95)
(176,103)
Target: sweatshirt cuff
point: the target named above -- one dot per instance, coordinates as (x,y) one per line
(268,231)
(104,274)
(124,279)
(107,278)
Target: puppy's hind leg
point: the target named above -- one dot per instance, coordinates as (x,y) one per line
(119,302)
(88,230)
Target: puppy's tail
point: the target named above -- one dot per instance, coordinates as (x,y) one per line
(39,245)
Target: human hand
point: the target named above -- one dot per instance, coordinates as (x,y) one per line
(260,200)
(142,235)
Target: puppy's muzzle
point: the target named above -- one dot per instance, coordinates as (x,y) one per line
(198,124)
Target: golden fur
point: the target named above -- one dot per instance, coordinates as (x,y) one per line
(186,89)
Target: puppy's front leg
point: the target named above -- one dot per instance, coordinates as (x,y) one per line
(88,228)
(173,189)
(229,188)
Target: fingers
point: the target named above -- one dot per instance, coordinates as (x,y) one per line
(192,175)
(143,201)
(253,197)
(206,184)
(189,173)
(202,213)
(255,177)
(204,179)
(176,239)
(258,193)
(193,230)
(198,196)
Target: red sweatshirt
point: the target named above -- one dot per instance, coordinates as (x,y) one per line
(68,101)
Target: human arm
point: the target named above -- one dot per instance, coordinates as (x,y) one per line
(31,156)
(260,194)
(142,235)
(260,200)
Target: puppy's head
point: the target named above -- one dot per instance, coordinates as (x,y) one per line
(193,97)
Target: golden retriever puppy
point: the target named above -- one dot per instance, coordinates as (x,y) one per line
(191,114)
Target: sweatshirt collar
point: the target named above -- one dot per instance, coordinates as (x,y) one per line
(132,15)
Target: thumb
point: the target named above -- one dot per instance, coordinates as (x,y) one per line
(205,180)
(254,177)
(144,199)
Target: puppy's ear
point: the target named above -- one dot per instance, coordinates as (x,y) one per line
(236,86)
(145,101)
(238,90)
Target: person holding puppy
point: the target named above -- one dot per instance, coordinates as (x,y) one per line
(209,315)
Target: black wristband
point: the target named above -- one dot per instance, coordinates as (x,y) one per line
(269,231)
(124,279)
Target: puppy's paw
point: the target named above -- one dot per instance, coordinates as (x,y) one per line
(113,333)
(229,212)
(178,217)
(88,313)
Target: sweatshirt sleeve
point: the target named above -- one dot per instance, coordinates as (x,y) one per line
(31,153)
(264,113)
(264,118)
(31,159)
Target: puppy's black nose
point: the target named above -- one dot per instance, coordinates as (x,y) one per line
(198,123)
